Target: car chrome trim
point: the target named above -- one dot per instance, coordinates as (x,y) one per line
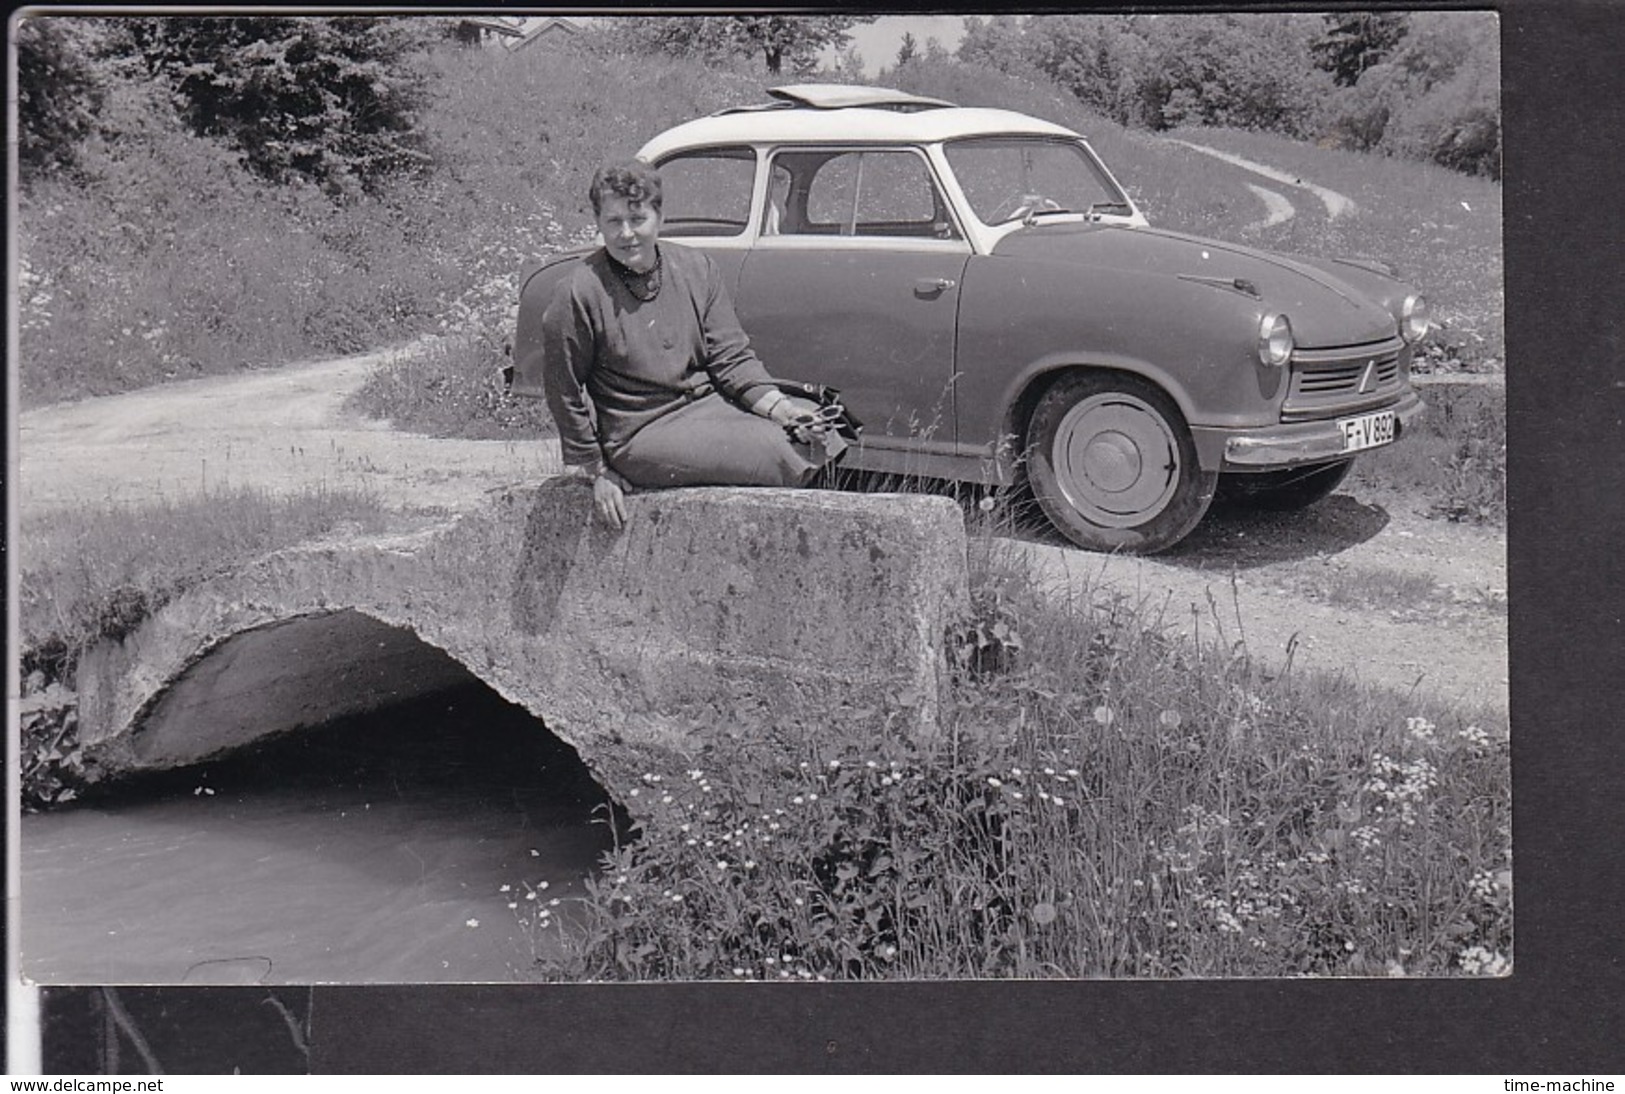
(1298,442)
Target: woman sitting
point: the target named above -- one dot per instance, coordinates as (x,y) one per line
(647,372)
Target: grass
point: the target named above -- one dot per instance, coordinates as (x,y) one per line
(1455,458)
(1102,802)
(94,573)
(453,387)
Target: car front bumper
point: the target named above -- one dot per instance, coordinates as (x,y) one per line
(1287,445)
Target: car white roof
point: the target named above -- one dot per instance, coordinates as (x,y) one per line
(818,114)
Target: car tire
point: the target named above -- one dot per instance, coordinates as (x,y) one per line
(1286,491)
(1111,463)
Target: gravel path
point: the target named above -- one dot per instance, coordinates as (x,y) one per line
(1337,205)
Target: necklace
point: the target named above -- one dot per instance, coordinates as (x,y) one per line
(644,286)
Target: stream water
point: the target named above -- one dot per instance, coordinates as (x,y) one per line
(385,848)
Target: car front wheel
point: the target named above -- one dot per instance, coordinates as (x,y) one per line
(1111,463)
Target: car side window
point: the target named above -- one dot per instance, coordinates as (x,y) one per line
(707,193)
(871,193)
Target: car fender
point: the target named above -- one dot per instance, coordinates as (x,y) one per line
(537,284)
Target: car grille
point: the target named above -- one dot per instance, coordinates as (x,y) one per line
(1331,382)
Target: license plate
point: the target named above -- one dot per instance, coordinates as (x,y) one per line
(1367,431)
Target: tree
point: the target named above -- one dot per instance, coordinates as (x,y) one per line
(58,95)
(1437,97)
(331,99)
(907,49)
(780,40)
(1354,41)
(997,42)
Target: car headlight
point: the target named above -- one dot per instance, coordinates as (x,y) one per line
(1413,318)
(1275,340)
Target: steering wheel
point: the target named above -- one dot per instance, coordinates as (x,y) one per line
(1022,205)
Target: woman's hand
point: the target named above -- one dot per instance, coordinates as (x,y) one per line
(784,412)
(609,498)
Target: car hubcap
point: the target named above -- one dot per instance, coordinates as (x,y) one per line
(1116,460)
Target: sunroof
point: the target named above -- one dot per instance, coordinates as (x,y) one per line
(839,96)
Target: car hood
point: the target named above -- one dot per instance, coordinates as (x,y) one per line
(1325,310)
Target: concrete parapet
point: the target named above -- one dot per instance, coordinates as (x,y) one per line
(781,617)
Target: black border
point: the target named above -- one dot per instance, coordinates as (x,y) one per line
(1561,1013)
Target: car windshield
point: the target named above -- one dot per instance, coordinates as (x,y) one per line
(1008,178)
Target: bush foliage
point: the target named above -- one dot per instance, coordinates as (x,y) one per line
(1422,85)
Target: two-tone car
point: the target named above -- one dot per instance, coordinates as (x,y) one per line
(994,307)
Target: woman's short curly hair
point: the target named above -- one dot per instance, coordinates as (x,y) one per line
(633,180)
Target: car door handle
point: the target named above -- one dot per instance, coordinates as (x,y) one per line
(933,286)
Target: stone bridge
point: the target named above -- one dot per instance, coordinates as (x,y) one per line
(779,615)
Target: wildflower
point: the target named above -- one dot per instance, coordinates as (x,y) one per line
(1058,800)
(473,923)
(505,889)
(554,902)
(722,864)
(1479,961)
(870,764)
(994,783)
(513,904)
(1170,719)
(530,896)
(1104,715)
(797,800)
(1420,728)
(1015,772)
(834,764)
(1016,794)
(812,797)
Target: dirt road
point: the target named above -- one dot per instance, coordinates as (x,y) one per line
(1366,585)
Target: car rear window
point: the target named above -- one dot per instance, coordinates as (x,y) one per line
(707,193)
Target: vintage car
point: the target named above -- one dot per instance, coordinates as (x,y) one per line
(994,308)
